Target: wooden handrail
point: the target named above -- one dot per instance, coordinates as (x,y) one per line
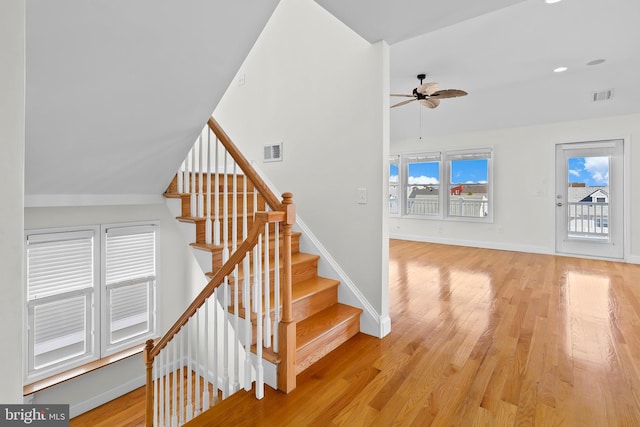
(262,187)
(261,218)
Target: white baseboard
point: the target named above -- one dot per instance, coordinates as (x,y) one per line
(503,246)
(107,396)
(633,259)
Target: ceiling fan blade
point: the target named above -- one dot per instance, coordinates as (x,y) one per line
(401,94)
(448,93)
(430,102)
(403,102)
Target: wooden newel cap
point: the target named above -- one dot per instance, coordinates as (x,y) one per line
(287,198)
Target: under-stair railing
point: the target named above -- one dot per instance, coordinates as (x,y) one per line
(208,351)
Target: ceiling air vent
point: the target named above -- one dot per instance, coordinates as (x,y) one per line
(603,95)
(273,152)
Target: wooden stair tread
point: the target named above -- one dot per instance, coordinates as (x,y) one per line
(267,354)
(312,328)
(311,287)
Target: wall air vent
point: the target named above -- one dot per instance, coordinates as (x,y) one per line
(603,95)
(273,152)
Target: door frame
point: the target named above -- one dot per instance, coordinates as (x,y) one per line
(626,194)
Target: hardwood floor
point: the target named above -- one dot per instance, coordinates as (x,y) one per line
(479,337)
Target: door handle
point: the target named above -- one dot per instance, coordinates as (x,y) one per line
(558,204)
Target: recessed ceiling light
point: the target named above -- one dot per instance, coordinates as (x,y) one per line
(552,1)
(560,70)
(596,62)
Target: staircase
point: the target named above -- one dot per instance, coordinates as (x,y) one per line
(264,309)
(322,323)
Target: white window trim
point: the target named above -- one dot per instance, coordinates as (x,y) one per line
(444,193)
(92,350)
(123,229)
(435,154)
(446,173)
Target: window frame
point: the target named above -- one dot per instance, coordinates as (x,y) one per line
(107,347)
(469,154)
(91,353)
(444,196)
(436,157)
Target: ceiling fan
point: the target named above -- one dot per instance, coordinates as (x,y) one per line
(429,94)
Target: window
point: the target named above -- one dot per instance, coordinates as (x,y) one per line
(422,184)
(61,273)
(394,189)
(90,292)
(467,194)
(129,281)
(468,176)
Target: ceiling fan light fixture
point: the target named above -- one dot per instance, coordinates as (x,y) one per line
(430,102)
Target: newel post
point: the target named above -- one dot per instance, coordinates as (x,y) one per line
(148,360)
(287,332)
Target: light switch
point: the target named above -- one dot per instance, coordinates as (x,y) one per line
(362,196)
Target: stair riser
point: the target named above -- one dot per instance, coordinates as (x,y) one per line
(314,351)
(315,303)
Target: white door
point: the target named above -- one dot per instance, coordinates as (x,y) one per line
(589,199)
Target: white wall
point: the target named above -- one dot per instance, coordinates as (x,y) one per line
(12,83)
(178,271)
(313,84)
(524,164)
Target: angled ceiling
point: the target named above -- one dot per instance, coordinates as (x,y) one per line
(503,53)
(117,91)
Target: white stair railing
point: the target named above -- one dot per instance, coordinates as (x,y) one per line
(206,354)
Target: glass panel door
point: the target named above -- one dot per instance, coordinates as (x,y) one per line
(589,199)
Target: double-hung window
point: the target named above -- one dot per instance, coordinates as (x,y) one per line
(90,292)
(469,192)
(62,274)
(129,283)
(422,184)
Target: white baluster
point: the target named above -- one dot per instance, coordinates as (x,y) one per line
(194,199)
(174,375)
(182,408)
(206,399)
(180,178)
(200,178)
(186,178)
(216,345)
(259,367)
(236,328)
(208,225)
(246,302)
(225,213)
(225,344)
(216,191)
(276,286)
(267,290)
(156,389)
(197,367)
(167,388)
(189,406)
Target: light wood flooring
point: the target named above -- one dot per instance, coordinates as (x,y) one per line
(479,338)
